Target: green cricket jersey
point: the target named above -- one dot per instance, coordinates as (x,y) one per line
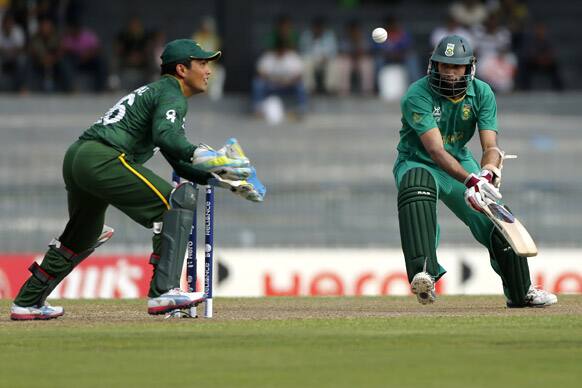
(150,117)
(423,110)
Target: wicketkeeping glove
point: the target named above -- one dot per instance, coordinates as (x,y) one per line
(480,191)
(223,163)
(251,188)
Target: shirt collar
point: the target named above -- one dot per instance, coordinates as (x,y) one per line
(469,92)
(177,81)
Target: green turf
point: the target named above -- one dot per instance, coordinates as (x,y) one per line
(415,348)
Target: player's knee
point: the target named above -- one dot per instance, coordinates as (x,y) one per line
(183,197)
(417,185)
(418,177)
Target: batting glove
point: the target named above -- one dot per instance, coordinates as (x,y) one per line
(480,191)
(492,174)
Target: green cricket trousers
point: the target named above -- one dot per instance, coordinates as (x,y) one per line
(96,176)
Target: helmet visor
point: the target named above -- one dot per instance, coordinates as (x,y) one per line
(447,86)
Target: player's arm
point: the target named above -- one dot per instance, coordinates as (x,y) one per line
(479,189)
(167,129)
(492,158)
(169,135)
(433,144)
(187,171)
(490,149)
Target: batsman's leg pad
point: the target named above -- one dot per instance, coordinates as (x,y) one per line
(177,223)
(417,216)
(513,269)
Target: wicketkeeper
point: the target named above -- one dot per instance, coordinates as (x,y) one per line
(440,113)
(105,167)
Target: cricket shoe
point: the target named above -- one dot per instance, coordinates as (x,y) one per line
(422,286)
(19,313)
(174,299)
(536,297)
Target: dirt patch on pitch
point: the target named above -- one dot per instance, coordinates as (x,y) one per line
(98,312)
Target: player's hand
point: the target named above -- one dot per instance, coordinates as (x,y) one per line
(479,191)
(251,189)
(222,163)
(492,174)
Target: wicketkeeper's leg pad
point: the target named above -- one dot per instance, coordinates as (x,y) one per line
(57,263)
(45,277)
(513,269)
(417,216)
(177,223)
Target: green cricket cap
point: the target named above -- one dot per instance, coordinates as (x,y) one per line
(180,49)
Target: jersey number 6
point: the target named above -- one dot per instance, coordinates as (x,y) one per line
(117,112)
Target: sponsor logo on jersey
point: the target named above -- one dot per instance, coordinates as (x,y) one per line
(456,137)
(416,118)
(450,51)
(466,111)
(436,113)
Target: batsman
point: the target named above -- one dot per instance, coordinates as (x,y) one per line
(105,166)
(440,114)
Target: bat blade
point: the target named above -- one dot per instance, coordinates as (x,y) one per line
(513,230)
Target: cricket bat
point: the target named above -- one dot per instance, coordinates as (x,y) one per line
(513,230)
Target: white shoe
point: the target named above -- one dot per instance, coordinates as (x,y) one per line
(536,297)
(422,286)
(19,313)
(174,300)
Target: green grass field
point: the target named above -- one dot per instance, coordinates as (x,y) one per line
(302,342)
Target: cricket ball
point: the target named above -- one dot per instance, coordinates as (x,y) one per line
(379,35)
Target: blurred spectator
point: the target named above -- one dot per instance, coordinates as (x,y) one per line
(83,53)
(47,68)
(130,62)
(496,64)
(397,50)
(207,37)
(61,12)
(12,55)
(21,11)
(354,66)
(279,73)
(452,27)
(318,48)
(491,38)
(499,71)
(156,45)
(4,4)
(72,10)
(539,59)
(50,9)
(514,15)
(284,30)
(469,13)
